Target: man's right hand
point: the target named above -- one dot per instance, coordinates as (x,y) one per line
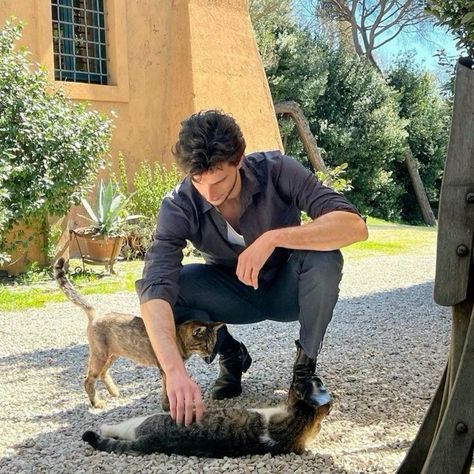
(185,398)
(183,393)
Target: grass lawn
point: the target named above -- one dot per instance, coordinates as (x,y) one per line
(386,238)
(36,288)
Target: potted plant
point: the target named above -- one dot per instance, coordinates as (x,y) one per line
(101,241)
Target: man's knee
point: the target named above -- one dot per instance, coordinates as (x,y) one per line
(319,264)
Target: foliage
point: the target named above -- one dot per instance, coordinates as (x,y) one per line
(151,183)
(357,122)
(50,147)
(110,213)
(458,16)
(428,117)
(138,237)
(353,114)
(334,178)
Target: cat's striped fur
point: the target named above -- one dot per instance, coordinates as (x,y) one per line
(223,432)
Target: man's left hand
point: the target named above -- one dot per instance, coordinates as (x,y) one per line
(252,259)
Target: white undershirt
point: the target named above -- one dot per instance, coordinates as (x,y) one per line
(234,237)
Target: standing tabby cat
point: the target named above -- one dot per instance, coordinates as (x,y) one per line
(223,432)
(117,334)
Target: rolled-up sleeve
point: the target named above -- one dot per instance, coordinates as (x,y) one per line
(307,192)
(163,260)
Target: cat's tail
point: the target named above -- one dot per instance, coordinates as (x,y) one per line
(70,291)
(110,445)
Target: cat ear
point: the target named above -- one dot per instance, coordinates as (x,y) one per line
(199,331)
(216,326)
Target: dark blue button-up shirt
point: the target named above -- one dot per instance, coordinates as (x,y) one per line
(275,188)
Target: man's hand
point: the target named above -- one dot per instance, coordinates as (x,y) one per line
(185,398)
(252,259)
(183,393)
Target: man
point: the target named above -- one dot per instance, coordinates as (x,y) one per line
(243,214)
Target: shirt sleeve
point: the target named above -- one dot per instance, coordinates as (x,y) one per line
(307,192)
(163,260)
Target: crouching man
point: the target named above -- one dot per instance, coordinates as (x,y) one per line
(242,212)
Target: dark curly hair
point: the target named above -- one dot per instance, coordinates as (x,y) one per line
(206,140)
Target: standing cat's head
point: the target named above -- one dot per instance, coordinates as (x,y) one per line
(199,337)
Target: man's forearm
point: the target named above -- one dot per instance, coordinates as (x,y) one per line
(159,322)
(329,232)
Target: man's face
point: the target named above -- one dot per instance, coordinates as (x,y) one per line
(218,184)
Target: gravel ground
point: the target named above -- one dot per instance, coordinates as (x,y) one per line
(383,357)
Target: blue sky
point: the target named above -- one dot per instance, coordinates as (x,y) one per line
(424,49)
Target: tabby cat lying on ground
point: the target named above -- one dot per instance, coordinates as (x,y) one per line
(223,432)
(116,334)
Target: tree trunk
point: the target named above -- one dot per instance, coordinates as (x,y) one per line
(302,126)
(420,192)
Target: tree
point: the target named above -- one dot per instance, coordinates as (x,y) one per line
(458,16)
(374,23)
(50,147)
(427,116)
(350,110)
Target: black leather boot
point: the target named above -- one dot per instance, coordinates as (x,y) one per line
(306,385)
(234,360)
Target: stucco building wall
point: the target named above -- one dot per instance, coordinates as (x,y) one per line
(166,60)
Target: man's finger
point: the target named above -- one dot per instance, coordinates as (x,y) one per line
(198,405)
(180,409)
(172,400)
(255,273)
(248,276)
(188,417)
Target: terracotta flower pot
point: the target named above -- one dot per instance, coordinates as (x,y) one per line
(97,248)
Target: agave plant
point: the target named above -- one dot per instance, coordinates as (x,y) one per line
(110,212)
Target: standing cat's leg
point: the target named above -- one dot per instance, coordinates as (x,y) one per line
(94,369)
(107,378)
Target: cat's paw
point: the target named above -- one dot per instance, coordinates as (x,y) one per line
(98,403)
(114,392)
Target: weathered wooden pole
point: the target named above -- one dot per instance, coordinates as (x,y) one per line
(445,441)
(310,145)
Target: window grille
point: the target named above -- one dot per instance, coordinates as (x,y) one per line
(79,41)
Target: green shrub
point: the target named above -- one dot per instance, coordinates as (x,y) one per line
(151,184)
(428,117)
(356,122)
(50,147)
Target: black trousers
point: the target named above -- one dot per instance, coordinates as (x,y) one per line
(305,289)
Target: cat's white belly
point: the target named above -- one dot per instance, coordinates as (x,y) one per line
(125,430)
(267,413)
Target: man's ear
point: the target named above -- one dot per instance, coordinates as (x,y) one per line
(241,162)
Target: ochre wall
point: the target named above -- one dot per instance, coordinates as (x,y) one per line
(166,60)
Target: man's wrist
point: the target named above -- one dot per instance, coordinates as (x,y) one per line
(274,237)
(175,368)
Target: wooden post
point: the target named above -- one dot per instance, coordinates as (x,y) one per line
(445,441)
(292,109)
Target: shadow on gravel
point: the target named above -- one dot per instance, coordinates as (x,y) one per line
(63,450)
(382,360)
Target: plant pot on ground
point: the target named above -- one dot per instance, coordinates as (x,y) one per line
(100,243)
